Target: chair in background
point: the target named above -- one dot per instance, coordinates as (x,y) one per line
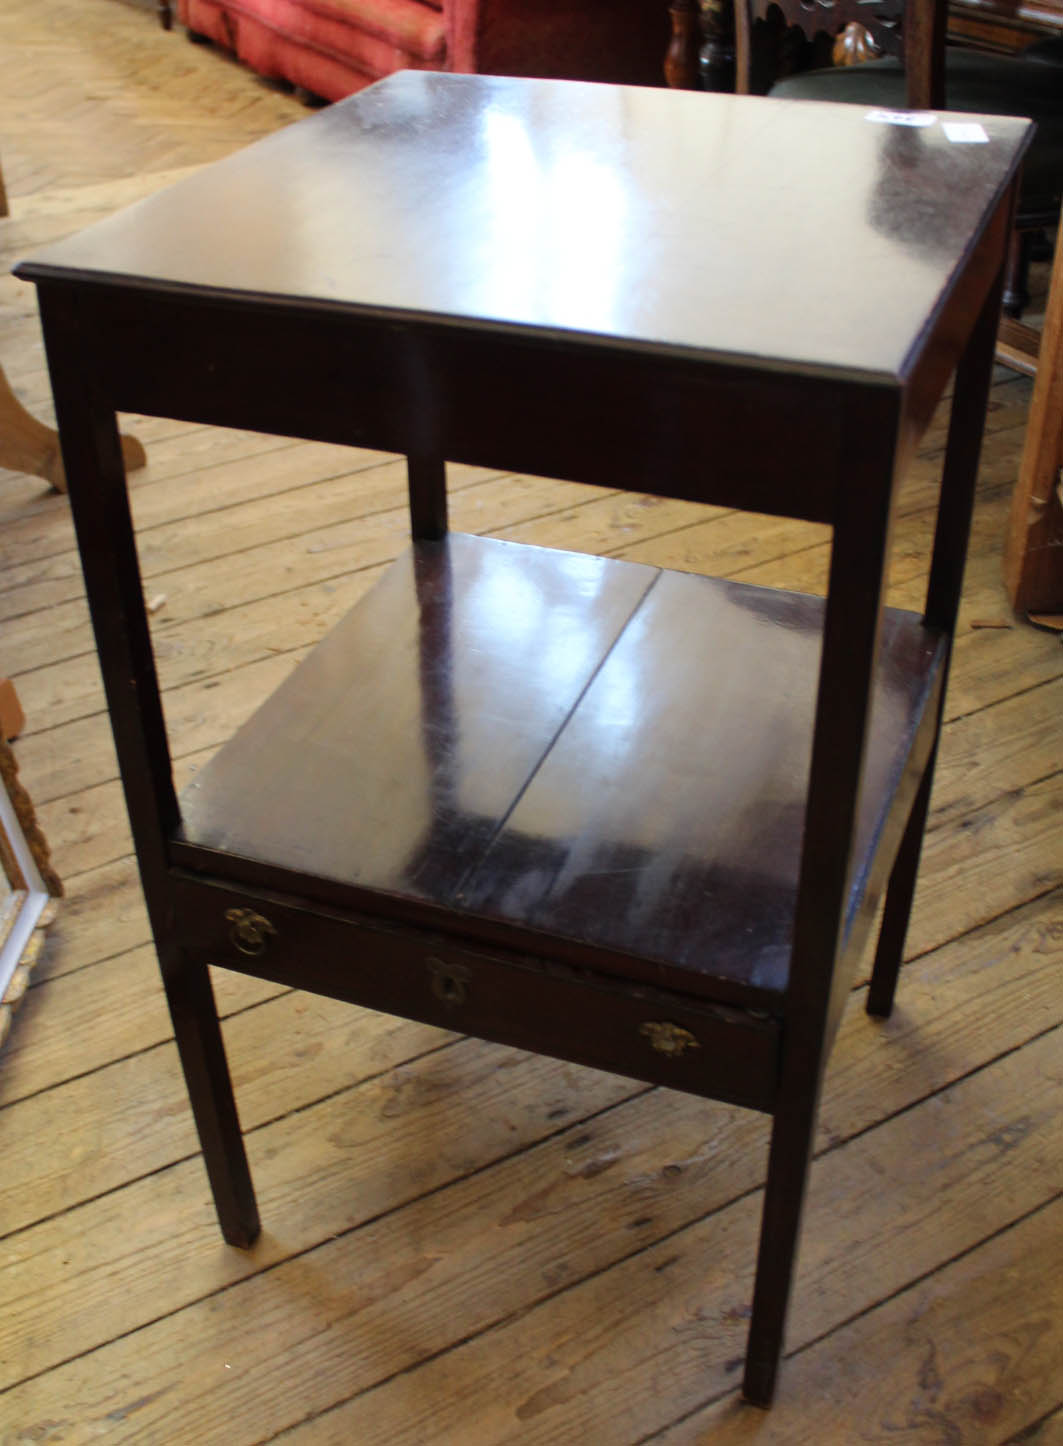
(27,445)
(917,70)
(332,48)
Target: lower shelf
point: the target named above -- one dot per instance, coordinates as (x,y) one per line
(573,754)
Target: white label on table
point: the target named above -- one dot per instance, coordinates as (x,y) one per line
(964,132)
(901,117)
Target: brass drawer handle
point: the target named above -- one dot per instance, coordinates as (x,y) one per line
(669,1039)
(250,932)
(450,982)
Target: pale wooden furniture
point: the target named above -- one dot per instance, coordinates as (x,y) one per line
(1033,557)
(12,718)
(27,445)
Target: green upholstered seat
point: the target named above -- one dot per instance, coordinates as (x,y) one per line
(987,84)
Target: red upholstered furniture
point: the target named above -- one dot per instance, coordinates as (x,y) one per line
(335,47)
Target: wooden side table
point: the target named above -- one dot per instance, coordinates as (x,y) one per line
(632,818)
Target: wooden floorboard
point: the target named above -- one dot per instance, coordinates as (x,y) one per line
(462,1243)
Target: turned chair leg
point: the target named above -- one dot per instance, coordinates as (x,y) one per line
(27,445)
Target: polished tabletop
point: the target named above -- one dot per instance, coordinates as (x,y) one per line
(786,234)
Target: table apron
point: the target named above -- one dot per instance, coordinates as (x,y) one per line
(577,410)
(639,1031)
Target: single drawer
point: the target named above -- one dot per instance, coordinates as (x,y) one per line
(623,1026)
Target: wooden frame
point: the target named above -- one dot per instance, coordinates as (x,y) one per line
(28,884)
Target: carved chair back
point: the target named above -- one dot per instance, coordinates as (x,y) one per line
(912,30)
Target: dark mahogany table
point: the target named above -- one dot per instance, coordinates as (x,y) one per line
(632,818)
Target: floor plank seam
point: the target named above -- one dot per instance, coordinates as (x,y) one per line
(90,652)
(994,492)
(926,1275)
(755,1413)
(957,820)
(721,516)
(913,1284)
(1030,1432)
(37,979)
(71,1209)
(568,1127)
(141,487)
(221,612)
(365,471)
(1013,908)
(999,702)
(169,1040)
(937,451)
(398,507)
(574,1283)
(763,561)
(905,513)
(197,1154)
(943,1088)
(67,1079)
(173,690)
